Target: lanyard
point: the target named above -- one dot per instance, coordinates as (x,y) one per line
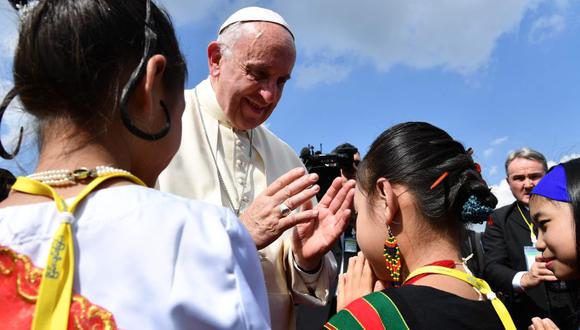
(530,225)
(55,293)
(479,284)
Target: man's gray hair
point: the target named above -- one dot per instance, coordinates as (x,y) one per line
(526,153)
(228,38)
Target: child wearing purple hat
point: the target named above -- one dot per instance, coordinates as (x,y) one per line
(555,209)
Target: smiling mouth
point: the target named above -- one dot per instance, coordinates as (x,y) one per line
(256,107)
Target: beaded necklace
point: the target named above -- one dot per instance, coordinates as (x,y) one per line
(66,177)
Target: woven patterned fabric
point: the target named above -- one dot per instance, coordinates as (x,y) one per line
(372,312)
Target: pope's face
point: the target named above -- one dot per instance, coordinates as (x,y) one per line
(249,82)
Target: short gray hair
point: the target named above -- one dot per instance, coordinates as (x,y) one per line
(526,153)
(228,38)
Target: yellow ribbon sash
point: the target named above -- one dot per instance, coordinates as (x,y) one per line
(479,284)
(55,293)
(530,225)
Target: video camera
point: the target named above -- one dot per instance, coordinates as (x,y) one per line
(327,166)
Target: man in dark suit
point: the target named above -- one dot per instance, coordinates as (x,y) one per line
(527,287)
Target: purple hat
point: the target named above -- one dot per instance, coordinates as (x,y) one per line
(553,185)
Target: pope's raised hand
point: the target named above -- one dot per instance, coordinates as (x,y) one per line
(312,239)
(268,216)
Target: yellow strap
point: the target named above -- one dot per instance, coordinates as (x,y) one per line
(55,293)
(530,225)
(479,284)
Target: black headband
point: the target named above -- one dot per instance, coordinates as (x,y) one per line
(148,51)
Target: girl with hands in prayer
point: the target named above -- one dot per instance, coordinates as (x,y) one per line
(358,281)
(416,190)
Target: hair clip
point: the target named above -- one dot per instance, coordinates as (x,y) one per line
(477,167)
(475,211)
(438,181)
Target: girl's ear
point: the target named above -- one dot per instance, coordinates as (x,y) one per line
(387,196)
(145,103)
(153,79)
(214,57)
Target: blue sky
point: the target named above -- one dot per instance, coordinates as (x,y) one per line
(496,74)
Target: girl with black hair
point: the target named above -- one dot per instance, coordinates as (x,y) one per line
(555,210)
(105,80)
(417,188)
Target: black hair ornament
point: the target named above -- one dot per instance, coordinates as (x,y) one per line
(3,153)
(24,7)
(17,4)
(150,43)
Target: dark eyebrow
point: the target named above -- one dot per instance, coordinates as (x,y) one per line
(265,68)
(257,66)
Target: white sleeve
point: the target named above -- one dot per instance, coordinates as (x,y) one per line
(312,289)
(218,281)
(517,280)
(252,284)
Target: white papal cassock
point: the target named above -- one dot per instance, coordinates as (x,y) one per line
(193,174)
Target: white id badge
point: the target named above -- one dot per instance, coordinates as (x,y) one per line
(530,252)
